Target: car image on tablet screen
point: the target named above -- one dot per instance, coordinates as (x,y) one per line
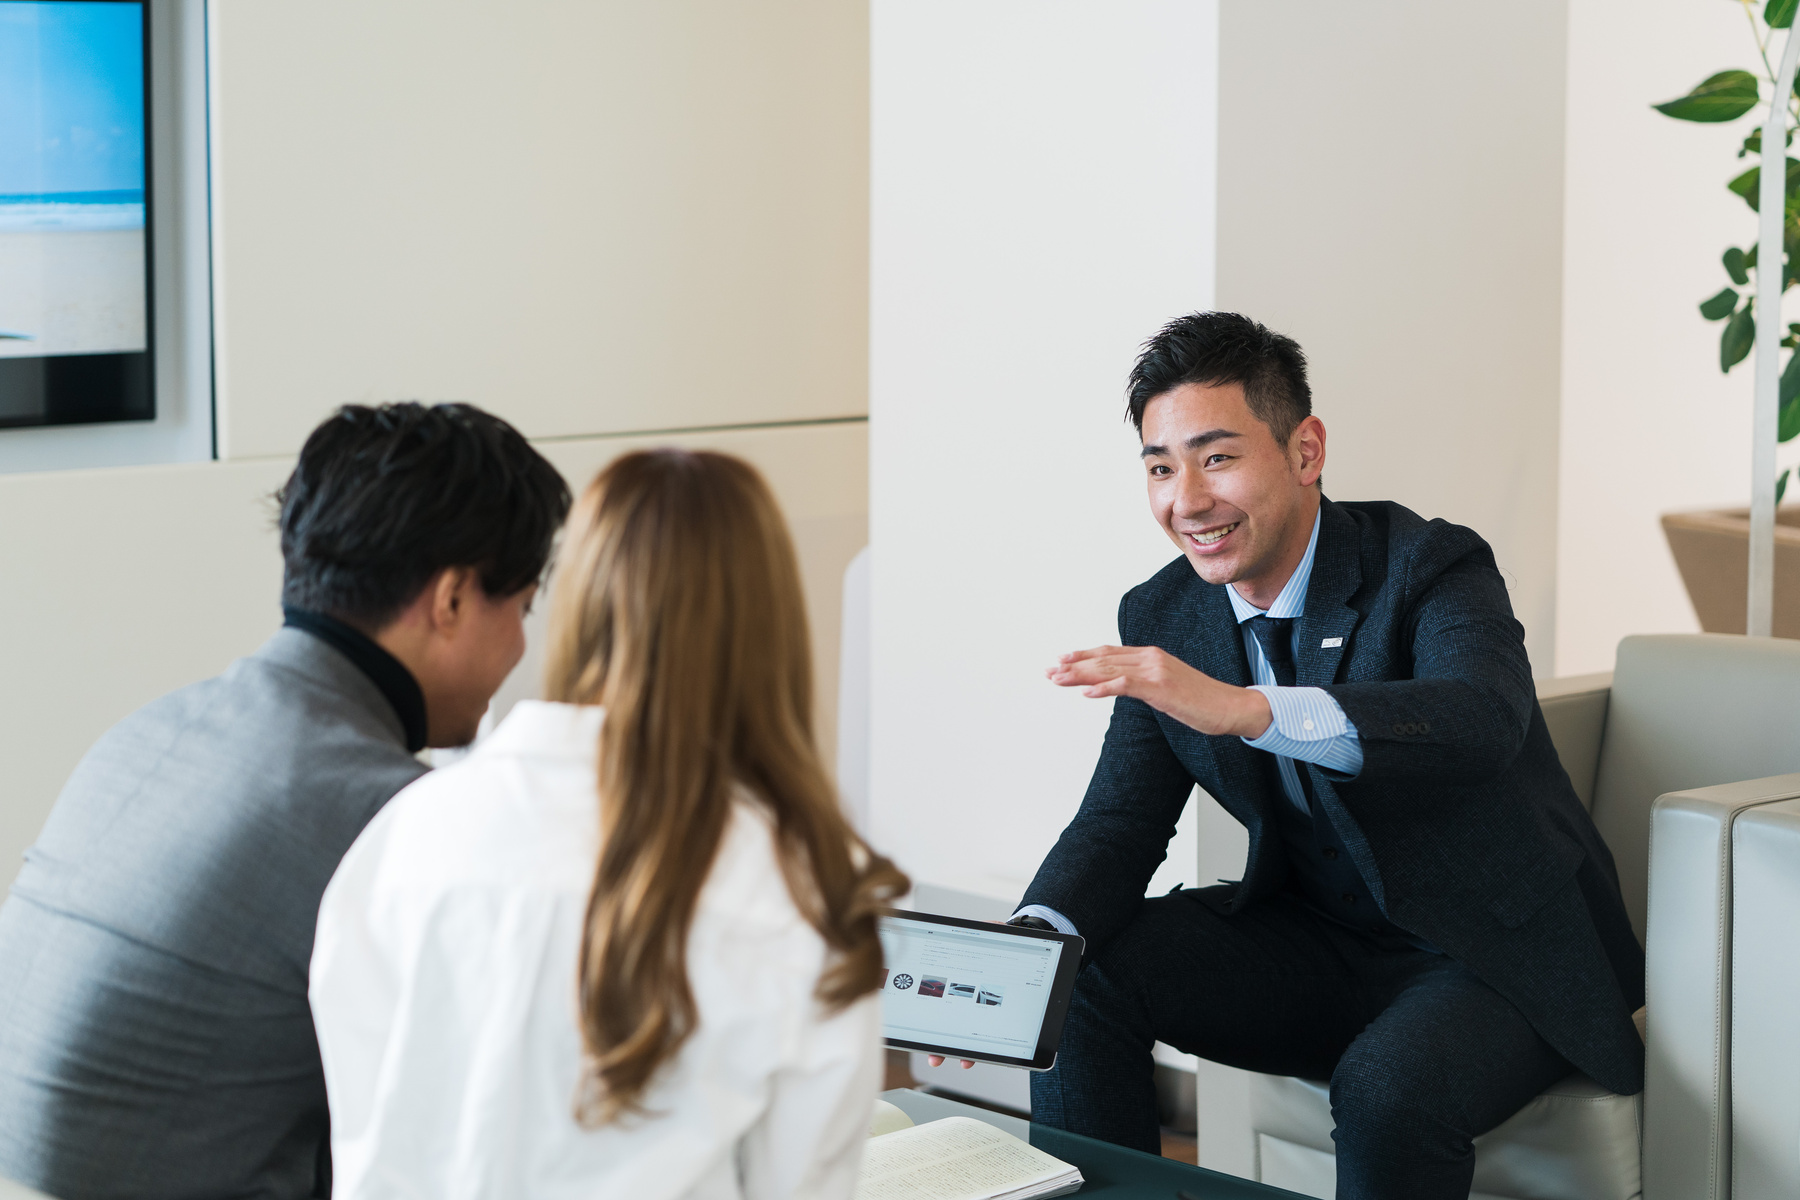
(963,988)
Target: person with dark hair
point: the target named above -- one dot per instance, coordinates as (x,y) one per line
(1427,916)
(155,1035)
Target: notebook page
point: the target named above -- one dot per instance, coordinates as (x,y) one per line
(957,1158)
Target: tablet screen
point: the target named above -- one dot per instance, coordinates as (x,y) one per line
(977,990)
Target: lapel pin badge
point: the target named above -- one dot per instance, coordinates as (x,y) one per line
(1331,643)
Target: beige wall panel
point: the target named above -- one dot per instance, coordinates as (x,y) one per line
(118,586)
(1390,194)
(587,216)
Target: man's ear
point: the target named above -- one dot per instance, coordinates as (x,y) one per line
(1306,448)
(449,596)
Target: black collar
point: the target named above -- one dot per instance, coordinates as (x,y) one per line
(384,670)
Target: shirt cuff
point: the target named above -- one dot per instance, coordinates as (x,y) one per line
(1309,726)
(1057,921)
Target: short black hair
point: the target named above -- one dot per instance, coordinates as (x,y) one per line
(1216,348)
(384,497)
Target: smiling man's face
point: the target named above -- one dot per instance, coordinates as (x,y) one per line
(1238,503)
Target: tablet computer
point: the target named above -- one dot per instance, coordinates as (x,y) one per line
(971,989)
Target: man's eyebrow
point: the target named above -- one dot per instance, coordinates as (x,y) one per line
(1198,441)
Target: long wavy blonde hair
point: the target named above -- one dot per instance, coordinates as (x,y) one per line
(676,605)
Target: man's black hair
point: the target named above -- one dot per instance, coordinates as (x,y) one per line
(385,497)
(1217,348)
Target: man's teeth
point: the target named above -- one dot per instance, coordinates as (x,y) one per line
(1207,539)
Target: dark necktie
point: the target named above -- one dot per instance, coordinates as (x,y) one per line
(1276,637)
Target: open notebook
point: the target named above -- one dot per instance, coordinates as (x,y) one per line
(956,1158)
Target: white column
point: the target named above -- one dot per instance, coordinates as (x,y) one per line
(1770,284)
(1042,200)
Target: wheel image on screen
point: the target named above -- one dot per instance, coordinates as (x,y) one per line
(903,981)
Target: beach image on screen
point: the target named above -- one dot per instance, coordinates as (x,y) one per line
(73,257)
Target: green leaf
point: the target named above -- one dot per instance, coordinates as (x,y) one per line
(1780,13)
(1748,185)
(1789,423)
(1781,484)
(1734,266)
(1790,390)
(1739,336)
(1722,97)
(1720,306)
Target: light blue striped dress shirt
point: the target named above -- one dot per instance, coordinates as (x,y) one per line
(1307,725)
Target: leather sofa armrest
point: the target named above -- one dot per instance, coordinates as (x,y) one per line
(1574,708)
(1688,986)
(1765,978)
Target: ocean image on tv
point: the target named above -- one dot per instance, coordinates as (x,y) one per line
(72,241)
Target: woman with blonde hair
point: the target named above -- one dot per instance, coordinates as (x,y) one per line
(627,947)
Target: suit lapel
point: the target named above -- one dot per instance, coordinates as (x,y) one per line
(1328,621)
(1214,643)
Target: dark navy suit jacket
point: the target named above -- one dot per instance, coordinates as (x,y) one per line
(1462,819)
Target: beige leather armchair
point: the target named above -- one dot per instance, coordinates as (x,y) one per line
(1679,718)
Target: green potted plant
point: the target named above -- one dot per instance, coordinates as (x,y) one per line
(1711,548)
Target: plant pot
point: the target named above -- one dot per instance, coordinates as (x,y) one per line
(1712,552)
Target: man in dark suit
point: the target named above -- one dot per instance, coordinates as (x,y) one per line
(1427,916)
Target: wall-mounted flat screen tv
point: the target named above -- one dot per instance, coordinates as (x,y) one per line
(74,256)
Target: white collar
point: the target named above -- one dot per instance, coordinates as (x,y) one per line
(543,728)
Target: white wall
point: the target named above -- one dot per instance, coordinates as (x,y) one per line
(1042,200)
(1390,194)
(1649,425)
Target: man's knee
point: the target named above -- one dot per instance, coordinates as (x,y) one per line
(1376,1103)
(1138,953)
(1116,985)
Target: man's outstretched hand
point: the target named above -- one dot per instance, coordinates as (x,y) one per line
(1168,685)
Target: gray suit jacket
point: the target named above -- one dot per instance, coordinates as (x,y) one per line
(155,1039)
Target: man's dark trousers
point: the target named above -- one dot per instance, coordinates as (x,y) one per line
(1421,1055)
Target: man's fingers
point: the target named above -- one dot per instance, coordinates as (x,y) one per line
(1079,655)
(1091,670)
(937,1060)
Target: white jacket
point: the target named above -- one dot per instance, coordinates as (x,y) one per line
(444,992)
